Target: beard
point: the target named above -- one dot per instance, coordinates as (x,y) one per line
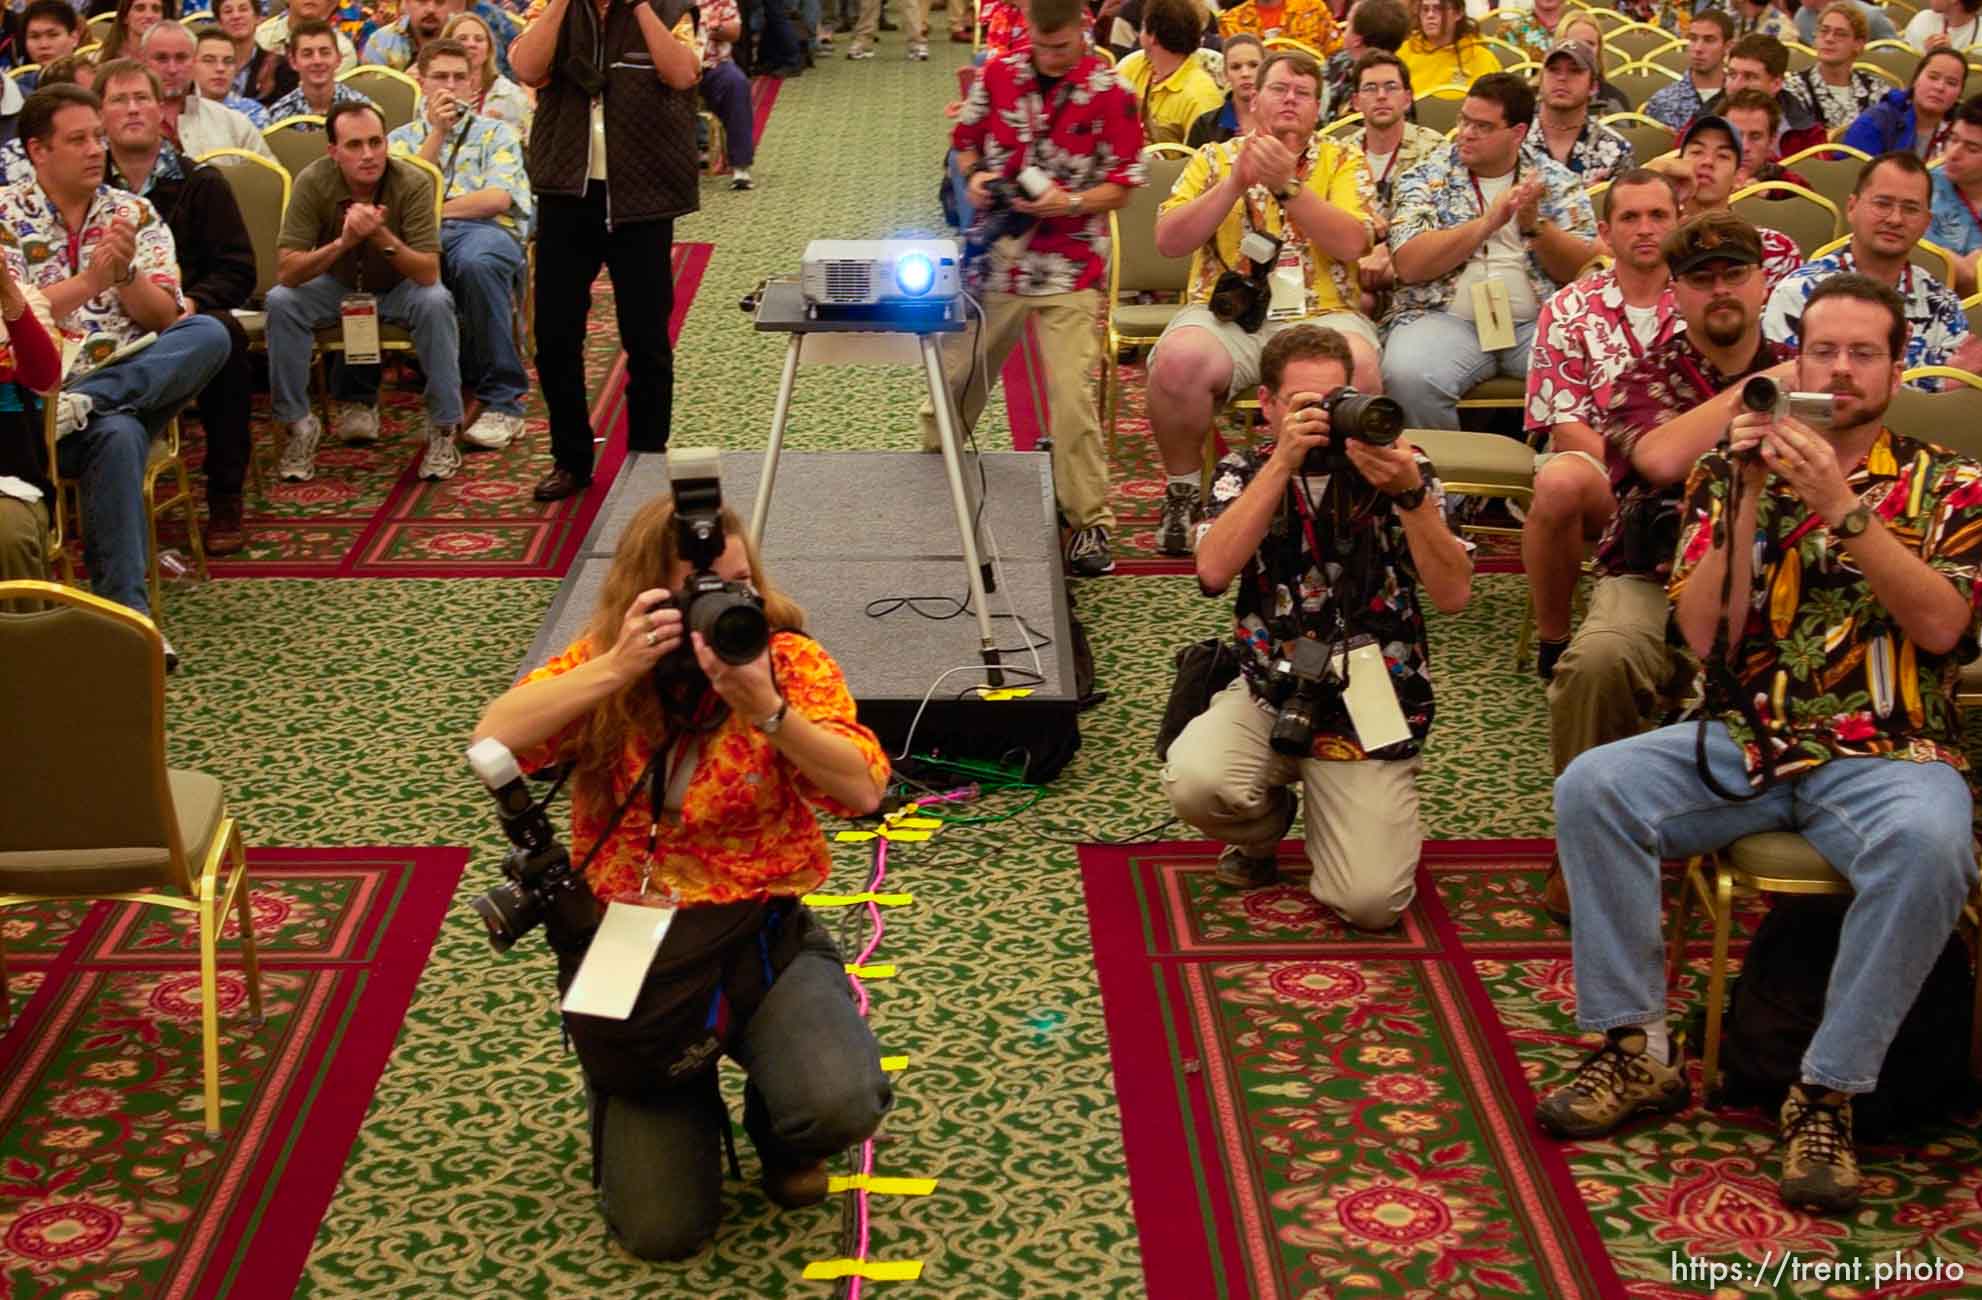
(1725,325)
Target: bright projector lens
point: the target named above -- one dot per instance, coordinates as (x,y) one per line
(915,274)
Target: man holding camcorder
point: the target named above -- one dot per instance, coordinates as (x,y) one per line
(1329,528)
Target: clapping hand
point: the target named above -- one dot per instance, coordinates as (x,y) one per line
(111,260)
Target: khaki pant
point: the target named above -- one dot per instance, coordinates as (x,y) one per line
(1070,347)
(915,17)
(1363,832)
(23,539)
(1610,682)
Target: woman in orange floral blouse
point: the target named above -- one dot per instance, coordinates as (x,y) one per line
(734,845)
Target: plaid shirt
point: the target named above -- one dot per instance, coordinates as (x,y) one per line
(1088,136)
(480,153)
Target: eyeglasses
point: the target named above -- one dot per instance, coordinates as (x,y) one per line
(1381,88)
(1885,205)
(1283,90)
(1732,274)
(1862,354)
(1474,126)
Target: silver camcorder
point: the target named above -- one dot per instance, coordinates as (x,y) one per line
(1765,396)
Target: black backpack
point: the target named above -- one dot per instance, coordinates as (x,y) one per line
(1777,1002)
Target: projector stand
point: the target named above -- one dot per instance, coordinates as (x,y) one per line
(782,310)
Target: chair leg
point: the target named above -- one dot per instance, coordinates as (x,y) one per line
(192,510)
(1717,978)
(1109,377)
(1675,958)
(250,959)
(210,919)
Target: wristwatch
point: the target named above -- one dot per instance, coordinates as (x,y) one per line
(769,726)
(1286,193)
(1855,521)
(1410,500)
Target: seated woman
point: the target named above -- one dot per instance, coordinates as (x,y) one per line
(1921,117)
(1243,55)
(693,783)
(134,19)
(1446,49)
(29,359)
(501,98)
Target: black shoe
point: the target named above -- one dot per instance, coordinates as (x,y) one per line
(1546,654)
(559,484)
(1238,870)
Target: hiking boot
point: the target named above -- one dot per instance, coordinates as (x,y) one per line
(1820,1166)
(796,1188)
(1182,508)
(224,534)
(299,453)
(1615,1082)
(354,423)
(1087,552)
(1238,869)
(1555,891)
(443,458)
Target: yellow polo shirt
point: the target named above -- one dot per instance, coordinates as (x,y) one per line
(1460,64)
(1169,107)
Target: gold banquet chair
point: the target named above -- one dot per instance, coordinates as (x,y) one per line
(1135,266)
(1649,137)
(396,94)
(1480,465)
(1831,169)
(1808,218)
(296,141)
(1638,82)
(1951,417)
(1895,60)
(1926,255)
(1638,42)
(1437,109)
(85,678)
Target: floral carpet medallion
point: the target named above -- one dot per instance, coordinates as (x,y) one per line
(108,1183)
(1309,1111)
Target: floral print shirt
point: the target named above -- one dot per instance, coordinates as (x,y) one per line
(1668,381)
(479,154)
(717,13)
(1956,227)
(1327,169)
(296,104)
(41,252)
(1307,21)
(1598,154)
(1828,670)
(1375,192)
(1529,34)
(1439,194)
(1286,570)
(1835,106)
(1583,342)
(1675,105)
(1088,136)
(745,828)
(1936,322)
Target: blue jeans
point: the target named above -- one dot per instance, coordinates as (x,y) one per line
(131,401)
(1431,362)
(727,93)
(295,315)
(1898,831)
(482,265)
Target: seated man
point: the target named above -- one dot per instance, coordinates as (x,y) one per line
(1666,408)
(726,90)
(1386,147)
(1586,335)
(1889,210)
(1706,58)
(193,123)
(1491,212)
(1854,549)
(1833,90)
(1958,196)
(1569,132)
(216,268)
(1758,119)
(1704,171)
(1757,62)
(313,57)
(50,29)
(1372,26)
(213,75)
(1297,191)
(1169,83)
(360,218)
(483,218)
(397,45)
(273,35)
(1270,513)
(107,265)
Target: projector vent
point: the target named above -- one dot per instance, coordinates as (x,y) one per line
(849,281)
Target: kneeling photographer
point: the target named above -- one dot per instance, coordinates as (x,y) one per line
(1329,528)
(701,728)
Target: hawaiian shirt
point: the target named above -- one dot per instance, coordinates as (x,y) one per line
(393,45)
(1307,21)
(745,828)
(1835,106)
(1285,570)
(1827,669)
(1598,154)
(1956,227)
(1583,342)
(1376,193)
(166,167)
(1676,17)
(1529,34)
(1770,22)
(480,153)
(41,251)
(1327,169)
(15,169)
(1781,258)
(1668,381)
(1936,323)
(1088,137)
(295,104)
(273,35)
(1675,105)
(716,13)
(1439,194)
(251,109)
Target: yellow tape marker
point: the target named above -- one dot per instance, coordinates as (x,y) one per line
(855,900)
(1007,693)
(871,972)
(906,1270)
(904,836)
(917,823)
(853,837)
(891,1064)
(881,1186)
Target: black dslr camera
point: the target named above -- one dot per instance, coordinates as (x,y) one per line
(1365,417)
(1002,220)
(541,883)
(1297,686)
(729,615)
(1242,299)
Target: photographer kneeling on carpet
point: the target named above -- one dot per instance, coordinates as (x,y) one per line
(1329,527)
(693,782)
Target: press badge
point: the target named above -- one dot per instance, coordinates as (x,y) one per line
(1369,698)
(360,316)
(615,966)
(1493,318)
(1289,287)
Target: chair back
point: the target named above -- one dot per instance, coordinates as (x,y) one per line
(1811,220)
(1638,41)
(1638,82)
(1274,43)
(1936,261)
(1881,73)
(1611,20)
(82,686)
(1831,169)
(1343,127)
(1649,137)
(99,27)
(261,191)
(439,181)
(1438,108)
(1673,58)
(1101,52)
(1951,417)
(1973,86)
(396,94)
(1506,52)
(1801,56)
(1971,306)
(296,141)
(1895,60)
(1138,267)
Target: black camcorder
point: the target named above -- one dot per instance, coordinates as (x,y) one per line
(541,884)
(729,615)
(1242,298)
(1296,686)
(1363,417)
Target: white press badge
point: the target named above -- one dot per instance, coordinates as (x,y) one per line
(615,966)
(1493,317)
(1370,698)
(359,313)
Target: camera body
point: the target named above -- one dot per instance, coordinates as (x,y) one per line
(729,615)
(1296,686)
(1242,299)
(1368,418)
(1002,220)
(1765,396)
(540,882)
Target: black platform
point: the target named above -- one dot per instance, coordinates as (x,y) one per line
(848,528)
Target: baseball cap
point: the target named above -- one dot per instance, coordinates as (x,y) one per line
(1712,122)
(1712,237)
(1576,50)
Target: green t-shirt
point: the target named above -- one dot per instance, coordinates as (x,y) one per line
(315,217)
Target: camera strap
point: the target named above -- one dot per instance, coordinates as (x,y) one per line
(1721,678)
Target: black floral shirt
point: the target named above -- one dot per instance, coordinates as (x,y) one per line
(1827,668)
(1286,572)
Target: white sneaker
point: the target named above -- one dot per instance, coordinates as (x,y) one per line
(299,454)
(493,430)
(860,52)
(72,412)
(443,458)
(171,655)
(354,422)
(739,179)
(918,51)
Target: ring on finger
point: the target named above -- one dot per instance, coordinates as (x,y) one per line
(653,639)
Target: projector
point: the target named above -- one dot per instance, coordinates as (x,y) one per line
(881,279)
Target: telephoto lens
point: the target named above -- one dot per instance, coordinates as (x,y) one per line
(1366,417)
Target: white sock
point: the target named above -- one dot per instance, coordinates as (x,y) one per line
(1184,480)
(1658,1042)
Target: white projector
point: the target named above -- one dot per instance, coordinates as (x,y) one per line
(879,276)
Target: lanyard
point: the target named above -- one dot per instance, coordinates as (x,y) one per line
(1390,166)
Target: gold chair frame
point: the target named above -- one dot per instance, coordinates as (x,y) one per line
(1113,340)
(372,79)
(1926,254)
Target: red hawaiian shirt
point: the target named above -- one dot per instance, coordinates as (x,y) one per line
(1088,135)
(1583,341)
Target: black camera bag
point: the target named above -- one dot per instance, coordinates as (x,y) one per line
(711,974)
(1204,668)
